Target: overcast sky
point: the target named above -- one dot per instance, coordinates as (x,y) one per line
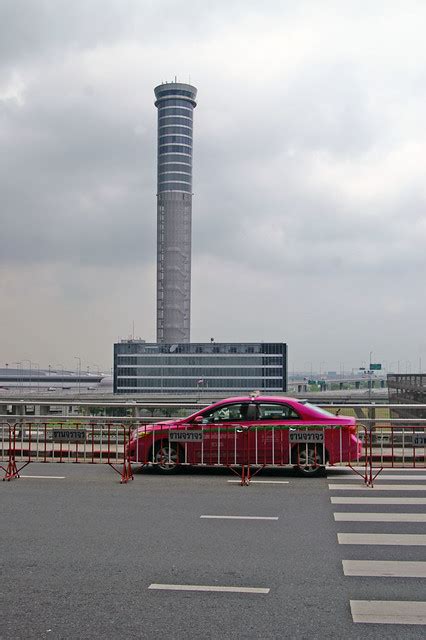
(309,208)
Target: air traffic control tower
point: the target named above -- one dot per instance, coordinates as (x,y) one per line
(175,103)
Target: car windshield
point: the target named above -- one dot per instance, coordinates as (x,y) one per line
(320,410)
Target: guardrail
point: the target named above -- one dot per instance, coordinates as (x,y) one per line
(155,410)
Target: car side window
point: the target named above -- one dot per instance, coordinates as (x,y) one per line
(226,413)
(271,411)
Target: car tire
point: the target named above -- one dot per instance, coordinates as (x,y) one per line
(306,465)
(165,452)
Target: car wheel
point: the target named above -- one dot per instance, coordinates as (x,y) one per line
(166,457)
(307,461)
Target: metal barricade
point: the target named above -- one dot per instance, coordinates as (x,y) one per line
(246,450)
(396,444)
(77,442)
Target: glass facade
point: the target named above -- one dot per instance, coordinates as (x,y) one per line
(174,128)
(141,367)
(174,148)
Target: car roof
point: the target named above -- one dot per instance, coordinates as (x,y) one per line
(253,398)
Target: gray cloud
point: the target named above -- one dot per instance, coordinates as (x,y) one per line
(308,167)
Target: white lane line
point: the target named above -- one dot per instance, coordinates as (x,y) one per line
(200,587)
(361,500)
(45,477)
(381,487)
(382,476)
(384,568)
(402,539)
(240,517)
(344,516)
(388,611)
(261,481)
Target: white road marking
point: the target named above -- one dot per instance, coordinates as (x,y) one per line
(381,487)
(344,516)
(384,568)
(388,611)
(45,477)
(261,481)
(360,500)
(402,539)
(418,469)
(384,476)
(240,517)
(199,587)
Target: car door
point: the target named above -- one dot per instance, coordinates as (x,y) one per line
(274,419)
(223,434)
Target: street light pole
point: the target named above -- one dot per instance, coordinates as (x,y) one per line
(19,376)
(370,383)
(79,371)
(37,364)
(29,362)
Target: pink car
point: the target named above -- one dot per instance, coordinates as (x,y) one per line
(261,431)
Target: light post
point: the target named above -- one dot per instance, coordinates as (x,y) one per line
(96,367)
(79,371)
(36,364)
(29,362)
(200,383)
(19,369)
(61,366)
(370,383)
(310,365)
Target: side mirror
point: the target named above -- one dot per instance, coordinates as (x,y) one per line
(198,419)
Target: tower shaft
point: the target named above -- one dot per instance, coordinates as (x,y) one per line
(175,103)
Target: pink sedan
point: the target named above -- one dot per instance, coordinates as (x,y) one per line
(255,430)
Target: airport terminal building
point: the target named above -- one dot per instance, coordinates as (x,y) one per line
(223,368)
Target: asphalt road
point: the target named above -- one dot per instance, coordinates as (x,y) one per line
(80,553)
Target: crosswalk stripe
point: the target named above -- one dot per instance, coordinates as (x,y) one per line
(382,476)
(384,568)
(345,516)
(418,469)
(380,487)
(388,611)
(402,539)
(366,501)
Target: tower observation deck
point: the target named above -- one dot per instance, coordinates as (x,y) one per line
(175,103)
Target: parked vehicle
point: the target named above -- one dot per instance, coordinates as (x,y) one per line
(255,430)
